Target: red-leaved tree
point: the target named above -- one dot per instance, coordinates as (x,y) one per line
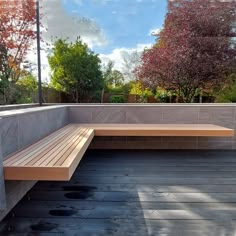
(17,30)
(195,50)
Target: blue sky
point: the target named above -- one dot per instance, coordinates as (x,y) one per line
(114,29)
(124,23)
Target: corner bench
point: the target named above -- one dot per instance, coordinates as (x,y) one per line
(56,156)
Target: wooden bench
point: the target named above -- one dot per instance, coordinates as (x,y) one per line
(56,156)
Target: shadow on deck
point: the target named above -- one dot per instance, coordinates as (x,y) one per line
(134,193)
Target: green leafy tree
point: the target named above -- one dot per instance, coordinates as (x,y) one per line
(113,80)
(26,88)
(112,77)
(228,92)
(75,69)
(28,82)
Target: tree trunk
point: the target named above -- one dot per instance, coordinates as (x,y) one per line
(77,96)
(102,95)
(77,93)
(200,97)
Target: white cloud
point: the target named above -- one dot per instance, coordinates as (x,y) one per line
(118,55)
(62,25)
(154,32)
(32,59)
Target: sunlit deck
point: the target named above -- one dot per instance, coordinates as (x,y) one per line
(134,193)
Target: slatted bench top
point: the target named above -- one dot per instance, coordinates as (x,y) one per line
(56,156)
(160,130)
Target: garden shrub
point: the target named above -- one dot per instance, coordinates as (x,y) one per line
(117,99)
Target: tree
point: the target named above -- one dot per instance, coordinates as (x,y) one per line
(112,77)
(130,62)
(17,22)
(195,50)
(228,92)
(138,90)
(26,86)
(75,69)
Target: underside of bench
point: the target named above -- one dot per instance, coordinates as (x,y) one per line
(56,156)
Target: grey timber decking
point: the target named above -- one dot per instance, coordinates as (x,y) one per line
(116,193)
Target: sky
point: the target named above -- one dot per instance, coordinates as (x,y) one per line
(112,28)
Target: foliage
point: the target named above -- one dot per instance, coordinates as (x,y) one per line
(17,22)
(76,69)
(115,90)
(228,92)
(28,82)
(112,77)
(163,95)
(23,91)
(117,99)
(26,88)
(195,50)
(138,89)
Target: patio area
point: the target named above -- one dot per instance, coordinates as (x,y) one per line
(128,192)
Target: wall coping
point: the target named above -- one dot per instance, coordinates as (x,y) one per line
(139,104)
(46,107)
(17,106)
(9,113)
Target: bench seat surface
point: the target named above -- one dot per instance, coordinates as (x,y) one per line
(54,157)
(160,130)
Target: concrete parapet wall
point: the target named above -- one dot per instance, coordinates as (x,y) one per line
(224,115)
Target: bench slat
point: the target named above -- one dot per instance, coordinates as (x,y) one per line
(33,148)
(75,144)
(41,153)
(70,158)
(79,152)
(58,150)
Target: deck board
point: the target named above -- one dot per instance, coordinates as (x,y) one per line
(173,201)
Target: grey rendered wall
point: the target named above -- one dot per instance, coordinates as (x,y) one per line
(219,114)
(21,129)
